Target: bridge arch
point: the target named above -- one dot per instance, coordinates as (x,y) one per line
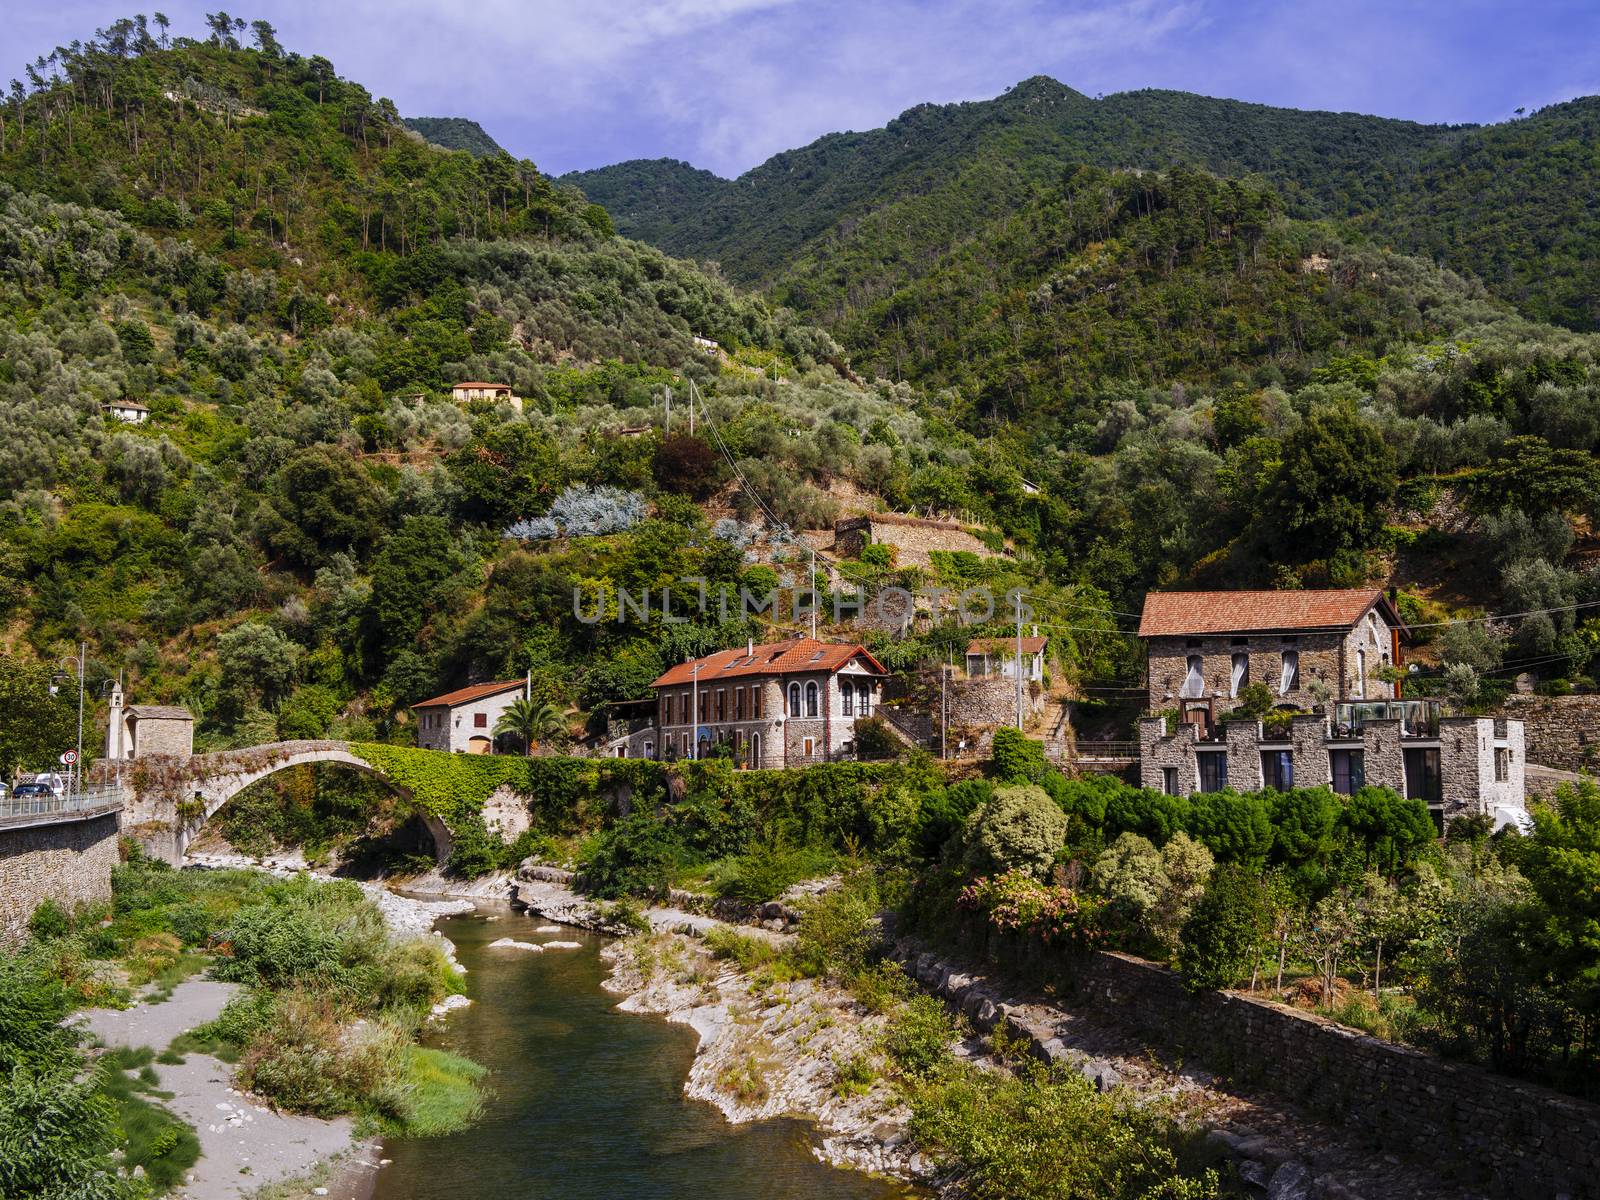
(172,798)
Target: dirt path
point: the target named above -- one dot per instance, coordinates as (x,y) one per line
(243,1145)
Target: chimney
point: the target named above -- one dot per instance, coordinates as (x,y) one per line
(750,647)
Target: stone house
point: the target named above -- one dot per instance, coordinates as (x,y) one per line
(1204,647)
(126,411)
(781,704)
(997,658)
(463,721)
(141,730)
(477,390)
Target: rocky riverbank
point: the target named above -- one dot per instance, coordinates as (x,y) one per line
(771,1050)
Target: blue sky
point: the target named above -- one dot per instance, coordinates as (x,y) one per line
(726,83)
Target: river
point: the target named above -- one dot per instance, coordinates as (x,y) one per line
(587,1102)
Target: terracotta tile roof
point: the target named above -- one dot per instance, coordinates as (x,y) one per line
(473,383)
(1169,613)
(1030,645)
(792,657)
(158,712)
(467,695)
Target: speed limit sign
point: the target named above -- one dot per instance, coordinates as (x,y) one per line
(70,757)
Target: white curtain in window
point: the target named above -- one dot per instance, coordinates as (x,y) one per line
(1194,683)
(1241,673)
(1290,680)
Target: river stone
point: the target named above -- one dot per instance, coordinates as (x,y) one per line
(547,929)
(563,946)
(1290,1182)
(506,943)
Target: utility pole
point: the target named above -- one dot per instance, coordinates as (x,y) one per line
(691,407)
(694,708)
(1019,658)
(944,710)
(77,764)
(813,590)
(666,422)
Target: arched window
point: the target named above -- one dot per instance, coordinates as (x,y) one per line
(811,699)
(847,698)
(755,750)
(866,698)
(794,699)
(1241,673)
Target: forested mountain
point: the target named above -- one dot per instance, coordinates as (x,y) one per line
(1514,204)
(455,133)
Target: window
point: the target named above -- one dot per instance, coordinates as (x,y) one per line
(1349,771)
(1502,765)
(755,749)
(809,747)
(865,695)
(649,749)
(683,708)
(1169,780)
(1241,673)
(1194,683)
(794,699)
(738,704)
(1361,674)
(755,701)
(1277,769)
(722,704)
(1289,680)
(811,699)
(1422,776)
(705,707)
(480,720)
(847,698)
(1213,770)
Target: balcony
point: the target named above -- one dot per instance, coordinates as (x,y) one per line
(1418,718)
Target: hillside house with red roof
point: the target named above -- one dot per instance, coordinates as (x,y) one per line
(780,704)
(463,721)
(1338,724)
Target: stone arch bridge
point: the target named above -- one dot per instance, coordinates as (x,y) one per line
(167,798)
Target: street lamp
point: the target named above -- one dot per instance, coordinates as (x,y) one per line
(60,677)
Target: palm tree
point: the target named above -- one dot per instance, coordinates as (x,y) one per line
(532,721)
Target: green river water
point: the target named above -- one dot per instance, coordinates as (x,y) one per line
(587,1102)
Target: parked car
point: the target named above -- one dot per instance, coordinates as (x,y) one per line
(39,790)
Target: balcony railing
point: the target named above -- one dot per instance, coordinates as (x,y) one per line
(88,799)
(1418,718)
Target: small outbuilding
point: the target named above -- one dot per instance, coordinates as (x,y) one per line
(463,721)
(126,411)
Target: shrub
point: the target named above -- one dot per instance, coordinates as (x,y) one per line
(763,873)
(1234,827)
(1016,758)
(1020,828)
(839,930)
(49,920)
(918,1039)
(635,857)
(1151,814)
(1222,936)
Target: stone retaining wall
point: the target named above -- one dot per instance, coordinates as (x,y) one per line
(1520,1139)
(1559,731)
(66,861)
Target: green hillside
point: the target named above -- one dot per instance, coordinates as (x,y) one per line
(1513,204)
(455,133)
(1132,378)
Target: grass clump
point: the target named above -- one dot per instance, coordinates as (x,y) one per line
(153,1138)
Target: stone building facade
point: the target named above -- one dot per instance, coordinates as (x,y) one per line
(463,721)
(781,704)
(141,730)
(1204,647)
(67,859)
(1469,766)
